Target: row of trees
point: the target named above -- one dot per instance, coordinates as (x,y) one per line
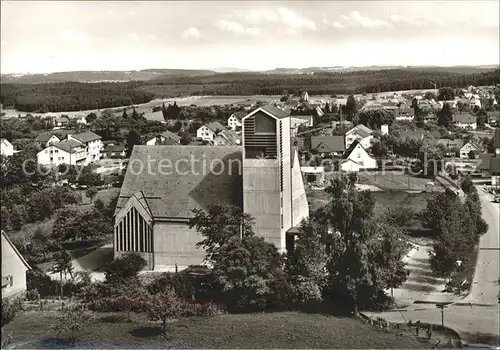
(456,225)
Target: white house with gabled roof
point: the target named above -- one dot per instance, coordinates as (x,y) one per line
(92,143)
(356,158)
(6,148)
(234,121)
(208,131)
(359,133)
(14,268)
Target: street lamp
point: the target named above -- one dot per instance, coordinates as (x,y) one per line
(458,263)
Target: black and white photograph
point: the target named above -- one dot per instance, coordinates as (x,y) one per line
(250,174)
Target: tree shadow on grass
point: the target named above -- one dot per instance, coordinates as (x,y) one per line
(113,319)
(481,338)
(424,279)
(325,308)
(418,287)
(427,273)
(57,343)
(147,332)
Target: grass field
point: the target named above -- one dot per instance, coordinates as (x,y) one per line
(394,180)
(383,200)
(399,199)
(267,330)
(104,195)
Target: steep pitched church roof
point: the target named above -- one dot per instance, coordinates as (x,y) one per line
(182,178)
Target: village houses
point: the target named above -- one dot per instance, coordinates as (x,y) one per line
(468,147)
(234,121)
(114,151)
(6,148)
(227,138)
(465,120)
(68,152)
(356,158)
(328,145)
(77,149)
(92,143)
(45,139)
(165,138)
(208,131)
(359,133)
(60,123)
(14,269)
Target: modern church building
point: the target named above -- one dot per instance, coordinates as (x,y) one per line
(163,184)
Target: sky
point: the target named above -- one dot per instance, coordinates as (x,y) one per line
(55,36)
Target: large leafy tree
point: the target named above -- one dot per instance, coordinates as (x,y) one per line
(375,118)
(164,306)
(218,224)
(73,223)
(124,270)
(306,264)
(62,265)
(446,94)
(445,116)
(247,271)
(356,271)
(21,167)
(133,138)
(248,274)
(350,108)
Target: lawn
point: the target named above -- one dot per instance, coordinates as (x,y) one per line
(400,199)
(383,200)
(395,180)
(104,195)
(258,331)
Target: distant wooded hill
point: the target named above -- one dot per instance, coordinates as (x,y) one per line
(99,76)
(74,96)
(155,74)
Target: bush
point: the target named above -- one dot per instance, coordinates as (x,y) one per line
(124,268)
(9,310)
(187,285)
(37,280)
(70,322)
(32,294)
(402,216)
(204,309)
(305,291)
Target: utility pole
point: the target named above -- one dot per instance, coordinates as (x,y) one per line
(441,307)
(241,230)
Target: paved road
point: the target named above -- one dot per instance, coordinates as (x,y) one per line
(474,323)
(91,262)
(421,285)
(485,286)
